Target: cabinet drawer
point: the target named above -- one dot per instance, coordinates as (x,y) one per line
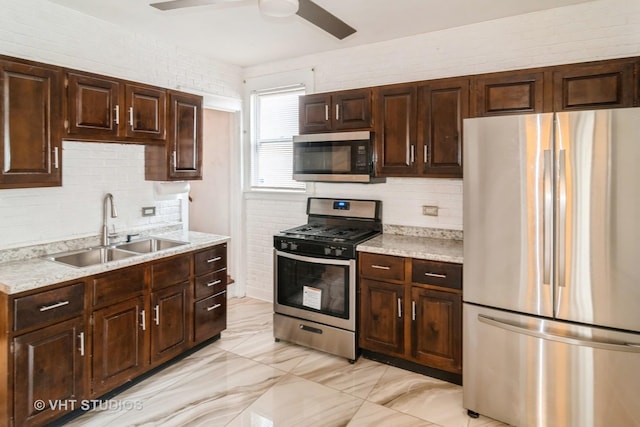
(170,272)
(212,259)
(210,316)
(48,306)
(118,285)
(210,283)
(437,273)
(376,266)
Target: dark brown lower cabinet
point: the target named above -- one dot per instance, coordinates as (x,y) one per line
(411,311)
(169,331)
(436,328)
(210,316)
(49,372)
(118,344)
(381,325)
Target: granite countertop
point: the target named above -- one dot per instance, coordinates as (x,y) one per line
(24,275)
(420,247)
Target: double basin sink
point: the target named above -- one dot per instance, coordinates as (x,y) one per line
(100,255)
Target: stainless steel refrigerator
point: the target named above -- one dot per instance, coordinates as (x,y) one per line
(552,268)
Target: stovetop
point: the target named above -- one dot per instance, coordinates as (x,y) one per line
(334,228)
(329,233)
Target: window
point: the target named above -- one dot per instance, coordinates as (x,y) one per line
(274,120)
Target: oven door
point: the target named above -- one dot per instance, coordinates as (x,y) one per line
(318,289)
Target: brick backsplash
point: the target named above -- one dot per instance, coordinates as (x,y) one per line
(39,215)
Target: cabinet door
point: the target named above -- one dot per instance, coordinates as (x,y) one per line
(146,111)
(381,317)
(351,109)
(185,137)
(585,87)
(118,344)
(48,367)
(315,114)
(443,106)
(510,93)
(436,333)
(92,106)
(395,141)
(30,125)
(169,335)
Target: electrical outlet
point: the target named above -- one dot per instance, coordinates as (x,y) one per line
(430,210)
(149,211)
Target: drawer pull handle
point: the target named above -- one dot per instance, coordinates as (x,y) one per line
(440,276)
(213,307)
(380,267)
(52,306)
(215,282)
(218,258)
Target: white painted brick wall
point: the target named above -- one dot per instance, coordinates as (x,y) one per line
(595,30)
(43,31)
(31,216)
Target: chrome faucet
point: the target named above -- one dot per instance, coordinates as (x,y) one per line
(114,214)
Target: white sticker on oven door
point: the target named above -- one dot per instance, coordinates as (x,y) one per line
(311,297)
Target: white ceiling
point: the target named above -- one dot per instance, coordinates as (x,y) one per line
(239,34)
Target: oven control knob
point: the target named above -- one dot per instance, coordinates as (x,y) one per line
(293,246)
(338,251)
(283,245)
(327,251)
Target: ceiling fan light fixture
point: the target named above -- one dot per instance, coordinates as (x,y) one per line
(278,8)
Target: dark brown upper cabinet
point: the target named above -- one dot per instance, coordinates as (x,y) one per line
(442,105)
(606,84)
(419,128)
(30,124)
(93,106)
(512,92)
(181,157)
(396,112)
(103,109)
(146,111)
(337,111)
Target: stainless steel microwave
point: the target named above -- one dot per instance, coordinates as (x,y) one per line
(334,157)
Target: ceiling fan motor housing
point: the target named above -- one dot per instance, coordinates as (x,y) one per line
(278,8)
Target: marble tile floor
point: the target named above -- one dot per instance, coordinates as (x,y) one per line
(246,379)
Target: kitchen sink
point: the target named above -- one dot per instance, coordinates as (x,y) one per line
(90,256)
(150,245)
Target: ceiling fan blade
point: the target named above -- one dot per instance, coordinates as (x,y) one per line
(179,4)
(322,18)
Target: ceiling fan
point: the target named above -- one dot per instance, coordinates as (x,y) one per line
(305,9)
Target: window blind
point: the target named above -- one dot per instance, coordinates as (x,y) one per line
(275,121)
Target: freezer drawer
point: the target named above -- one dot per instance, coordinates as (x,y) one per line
(580,377)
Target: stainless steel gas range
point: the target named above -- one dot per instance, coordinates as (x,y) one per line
(315,274)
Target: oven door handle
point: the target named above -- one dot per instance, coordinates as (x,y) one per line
(314,260)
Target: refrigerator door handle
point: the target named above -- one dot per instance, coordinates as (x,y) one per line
(562,216)
(628,347)
(548,217)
